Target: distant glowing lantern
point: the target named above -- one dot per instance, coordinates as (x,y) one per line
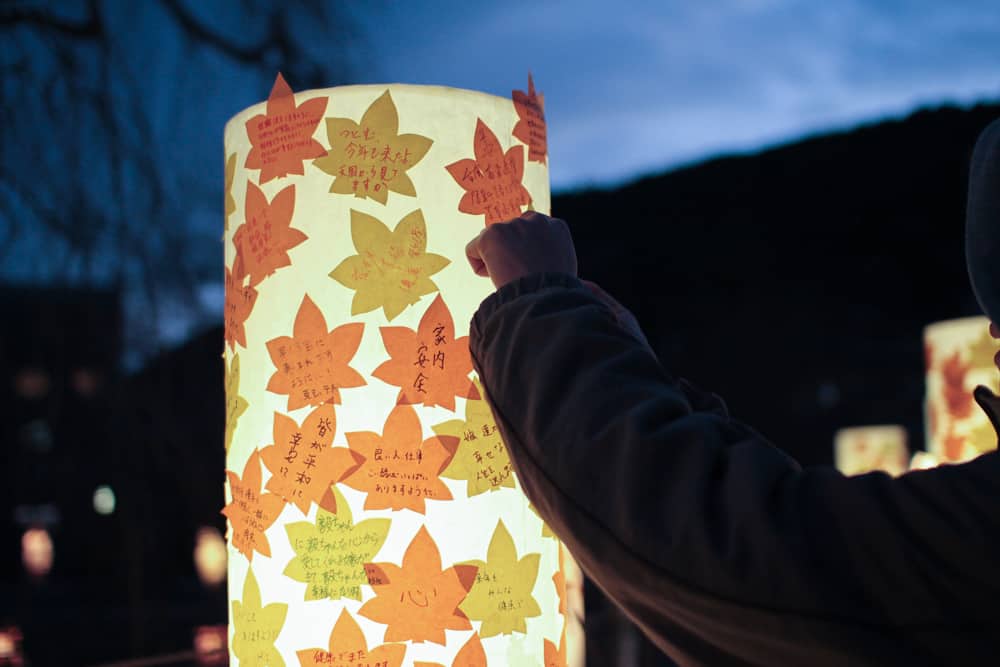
(958,356)
(10,646)
(864,449)
(210,556)
(210,644)
(923,461)
(104,500)
(372,506)
(37,552)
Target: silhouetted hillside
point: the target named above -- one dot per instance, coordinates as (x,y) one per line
(796,282)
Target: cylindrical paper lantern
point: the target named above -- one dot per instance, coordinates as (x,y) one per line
(862,449)
(958,356)
(374,518)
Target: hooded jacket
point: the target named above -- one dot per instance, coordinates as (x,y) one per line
(719,546)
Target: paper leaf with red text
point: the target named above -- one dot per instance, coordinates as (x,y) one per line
(251,512)
(429,365)
(481,458)
(370,158)
(240,299)
(419,600)
(266,236)
(556,657)
(230,205)
(256,627)
(312,365)
(282,137)
(501,595)
(492,180)
(236,405)
(400,469)
(392,269)
(349,648)
(530,108)
(330,554)
(303,463)
(471,654)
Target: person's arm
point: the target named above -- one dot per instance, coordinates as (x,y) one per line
(715,542)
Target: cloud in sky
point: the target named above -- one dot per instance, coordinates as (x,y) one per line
(655,84)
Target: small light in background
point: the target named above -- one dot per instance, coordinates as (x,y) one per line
(36,436)
(923,461)
(210,644)
(31,383)
(86,382)
(104,500)
(210,557)
(10,646)
(37,551)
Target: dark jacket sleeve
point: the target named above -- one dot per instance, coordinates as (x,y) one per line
(717,544)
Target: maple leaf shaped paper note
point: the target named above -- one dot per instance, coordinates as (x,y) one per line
(958,398)
(370,158)
(348,648)
(330,554)
(481,458)
(264,239)
(281,138)
(429,365)
(230,205)
(251,512)
(559,579)
(392,270)
(492,181)
(530,128)
(256,627)
(471,654)
(312,363)
(556,657)
(236,405)
(240,299)
(303,463)
(501,595)
(419,600)
(400,470)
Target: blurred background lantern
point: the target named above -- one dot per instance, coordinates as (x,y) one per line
(959,356)
(372,507)
(862,449)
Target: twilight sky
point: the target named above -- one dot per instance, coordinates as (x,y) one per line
(648,85)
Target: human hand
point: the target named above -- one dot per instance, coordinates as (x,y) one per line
(531,243)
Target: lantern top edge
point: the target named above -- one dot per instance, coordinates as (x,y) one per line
(956,324)
(242,116)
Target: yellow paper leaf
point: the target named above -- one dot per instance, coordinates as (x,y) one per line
(330,554)
(348,648)
(481,458)
(501,593)
(236,405)
(255,627)
(369,158)
(392,269)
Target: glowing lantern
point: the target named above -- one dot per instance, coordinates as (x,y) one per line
(210,556)
(864,449)
(372,507)
(37,552)
(959,355)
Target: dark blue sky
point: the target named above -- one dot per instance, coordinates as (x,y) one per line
(638,86)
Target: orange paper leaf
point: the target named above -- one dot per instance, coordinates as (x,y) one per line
(281,138)
(369,158)
(419,600)
(492,180)
(530,128)
(303,462)
(312,363)
(240,299)
(251,512)
(264,239)
(957,397)
(556,657)
(400,470)
(471,654)
(429,365)
(348,648)
(559,579)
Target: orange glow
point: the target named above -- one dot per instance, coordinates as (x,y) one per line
(37,552)
(210,556)
(210,645)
